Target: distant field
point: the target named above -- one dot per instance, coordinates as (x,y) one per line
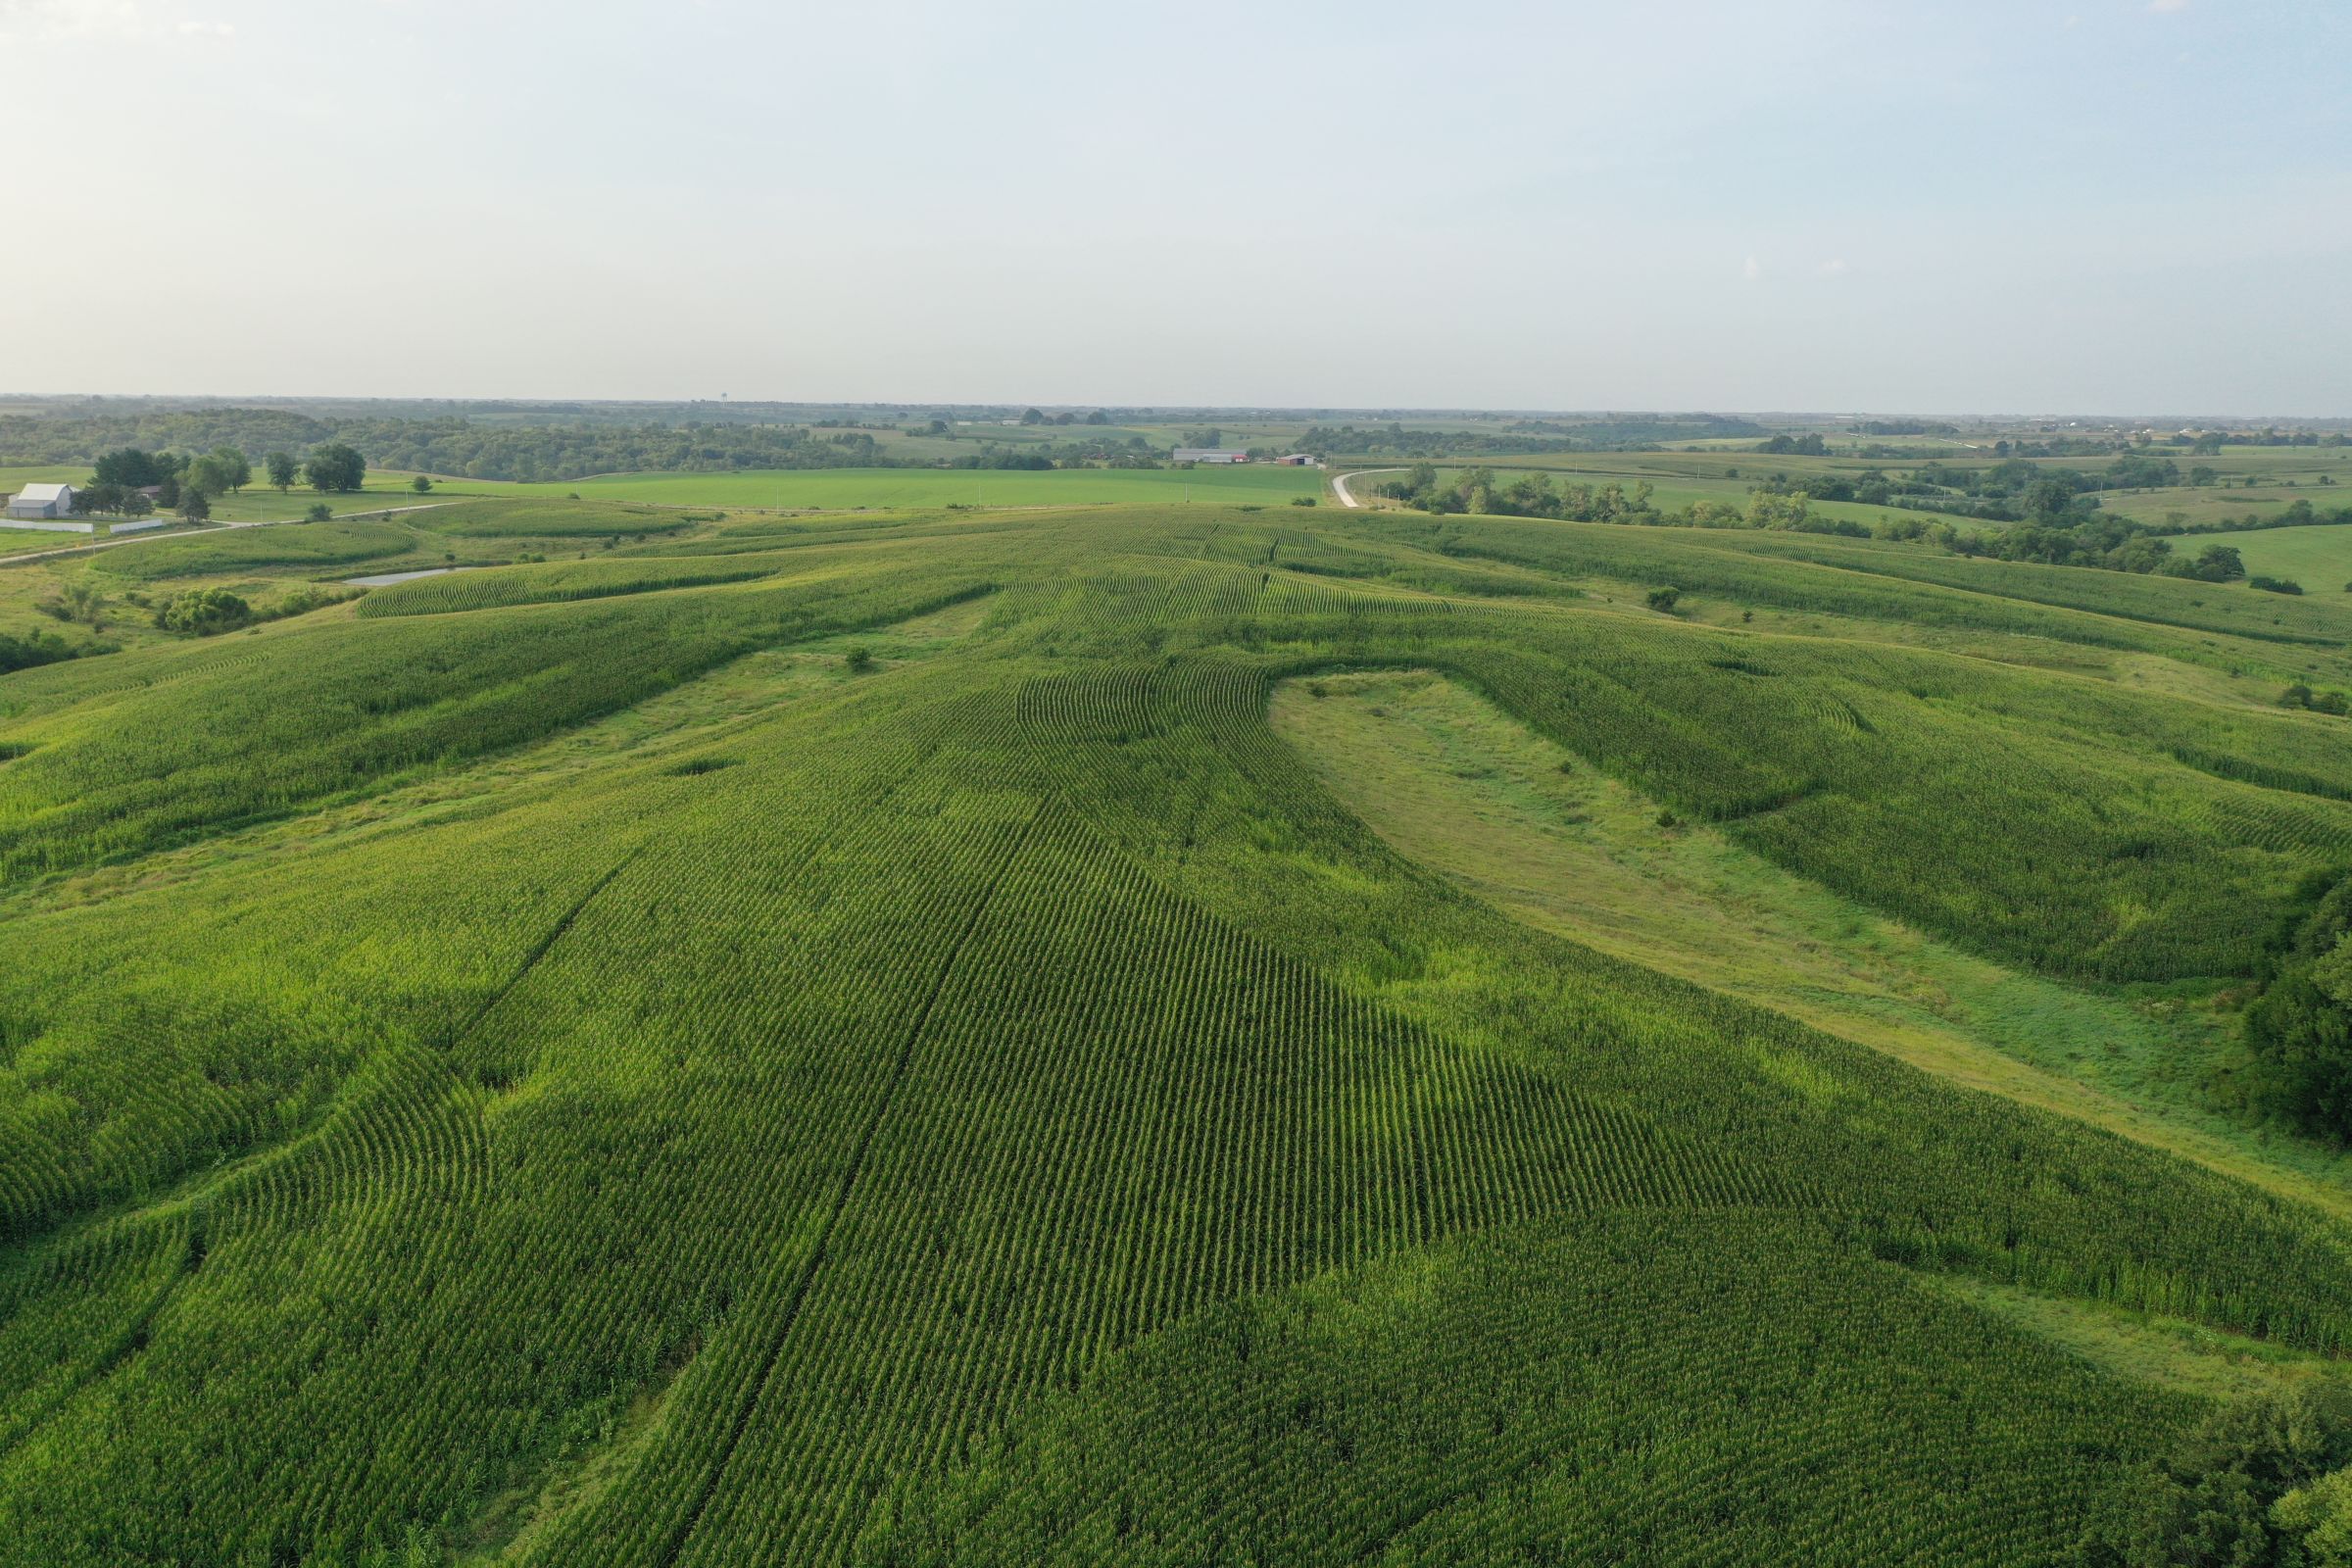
(14,479)
(2212,504)
(938,487)
(1672,494)
(2318,558)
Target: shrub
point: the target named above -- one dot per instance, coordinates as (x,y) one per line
(1663,598)
(2275,585)
(204,612)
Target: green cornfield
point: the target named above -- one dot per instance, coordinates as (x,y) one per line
(558,1064)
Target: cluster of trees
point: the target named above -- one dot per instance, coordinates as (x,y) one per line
(2301,695)
(1801,446)
(1532,495)
(188,483)
(1537,495)
(2298,1031)
(184,481)
(2299,514)
(2264,1482)
(35,648)
(2115,544)
(203,611)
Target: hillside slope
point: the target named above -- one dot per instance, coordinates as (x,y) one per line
(856,1042)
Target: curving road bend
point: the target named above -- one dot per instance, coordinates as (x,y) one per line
(1339,484)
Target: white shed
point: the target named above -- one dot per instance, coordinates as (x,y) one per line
(42,501)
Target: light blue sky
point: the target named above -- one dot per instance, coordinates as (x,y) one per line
(2086,206)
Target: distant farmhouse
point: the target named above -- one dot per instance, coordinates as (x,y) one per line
(42,502)
(1209,455)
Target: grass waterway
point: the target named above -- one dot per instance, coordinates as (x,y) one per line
(1454,784)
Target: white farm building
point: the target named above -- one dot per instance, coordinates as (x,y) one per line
(42,502)
(1209,455)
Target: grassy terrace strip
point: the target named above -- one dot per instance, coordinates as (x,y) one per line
(559,581)
(549,520)
(892,1059)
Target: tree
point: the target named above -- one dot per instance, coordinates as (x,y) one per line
(421,484)
(2318,1517)
(335,466)
(2219,564)
(1096,417)
(129,467)
(319,512)
(207,476)
(2297,1034)
(1663,598)
(282,469)
(194,504)
(1032,416)
(232,465)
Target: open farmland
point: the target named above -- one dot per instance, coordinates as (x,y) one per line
(1146,1034)
(828,489)
(2318,558)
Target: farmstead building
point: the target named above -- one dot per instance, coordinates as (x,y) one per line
(42,502)
(1209,455)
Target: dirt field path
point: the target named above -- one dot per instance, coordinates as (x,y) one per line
(1339,484)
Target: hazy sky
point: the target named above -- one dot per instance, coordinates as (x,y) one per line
(1981,205)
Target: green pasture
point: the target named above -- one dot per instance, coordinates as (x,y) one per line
(2195,505)
(2320,558)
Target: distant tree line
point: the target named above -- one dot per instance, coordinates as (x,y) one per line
(189,482)
(1527,437)
(1905,427)
(520,452)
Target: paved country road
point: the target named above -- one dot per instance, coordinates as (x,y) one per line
(182,533)
(1339,484)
